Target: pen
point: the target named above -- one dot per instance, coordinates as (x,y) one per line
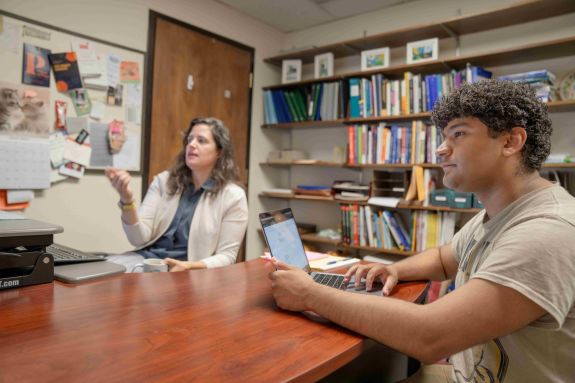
(340,260)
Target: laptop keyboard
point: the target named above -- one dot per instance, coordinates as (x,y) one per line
(63,254)
(332,280)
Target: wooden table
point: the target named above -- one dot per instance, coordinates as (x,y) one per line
(206,325)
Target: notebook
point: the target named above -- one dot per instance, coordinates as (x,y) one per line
(284,242)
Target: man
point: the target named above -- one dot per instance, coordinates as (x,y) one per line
(511,317)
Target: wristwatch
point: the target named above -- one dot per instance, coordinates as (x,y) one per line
(127,206)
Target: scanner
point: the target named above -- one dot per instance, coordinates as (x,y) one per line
(23,259)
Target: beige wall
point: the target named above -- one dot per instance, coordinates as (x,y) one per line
(87,209)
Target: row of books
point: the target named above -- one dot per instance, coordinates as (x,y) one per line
(364,226)
(318,102)
(379,97)
(542,81)
(373,227)
(431,229)
(382,144)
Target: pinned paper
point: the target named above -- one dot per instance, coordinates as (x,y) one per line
(10,39)
(98,110)
(19,196)
(24,164)
(77,153)
(57,149)
(72,169)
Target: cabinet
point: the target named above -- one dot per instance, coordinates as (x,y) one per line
(555,53)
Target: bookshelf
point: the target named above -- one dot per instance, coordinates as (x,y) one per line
(516,54)
(519,13)
(558,106)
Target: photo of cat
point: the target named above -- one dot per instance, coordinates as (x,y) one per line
(24,110)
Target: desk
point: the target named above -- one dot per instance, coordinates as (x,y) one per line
(205,325)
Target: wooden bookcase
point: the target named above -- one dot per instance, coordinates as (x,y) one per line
(519,13)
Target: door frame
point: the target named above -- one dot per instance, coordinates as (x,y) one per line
(149,87)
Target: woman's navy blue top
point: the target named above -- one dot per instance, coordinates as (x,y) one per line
(174,242)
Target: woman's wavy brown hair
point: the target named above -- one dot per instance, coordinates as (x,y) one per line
(225,169)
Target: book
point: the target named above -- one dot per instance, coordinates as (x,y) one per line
(66,72)
(35,66)
(332,262)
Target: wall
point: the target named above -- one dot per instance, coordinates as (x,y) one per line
(87,209)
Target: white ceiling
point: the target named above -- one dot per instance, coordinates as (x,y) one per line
(295,15)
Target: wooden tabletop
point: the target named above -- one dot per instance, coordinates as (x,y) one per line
(206,325)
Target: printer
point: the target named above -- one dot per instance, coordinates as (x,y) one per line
(23,260)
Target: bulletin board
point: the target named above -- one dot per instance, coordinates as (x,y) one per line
(33,114)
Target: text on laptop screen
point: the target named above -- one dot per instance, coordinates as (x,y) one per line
(284,241)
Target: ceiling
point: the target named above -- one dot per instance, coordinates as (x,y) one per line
(295,15)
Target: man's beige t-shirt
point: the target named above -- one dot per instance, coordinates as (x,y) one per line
(529,247)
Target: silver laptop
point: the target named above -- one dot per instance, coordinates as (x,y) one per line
(284,242)
(87,271)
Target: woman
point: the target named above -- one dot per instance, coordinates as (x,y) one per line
(195,215)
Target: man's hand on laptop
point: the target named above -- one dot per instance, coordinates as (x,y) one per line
(385,273)
(290,286)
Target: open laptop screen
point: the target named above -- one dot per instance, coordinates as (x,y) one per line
(283,239)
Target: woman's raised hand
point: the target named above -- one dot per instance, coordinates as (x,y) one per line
(120,180)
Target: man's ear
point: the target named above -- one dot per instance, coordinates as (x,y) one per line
(514,141)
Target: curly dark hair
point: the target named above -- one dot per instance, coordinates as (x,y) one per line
(224,171)
(501,106)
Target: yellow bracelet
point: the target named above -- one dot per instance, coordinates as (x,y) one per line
(127,206)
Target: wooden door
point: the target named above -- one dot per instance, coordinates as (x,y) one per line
(221,72)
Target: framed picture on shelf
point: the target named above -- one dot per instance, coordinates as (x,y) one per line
(291,71)
(423,50)
(323,65)
(375,59)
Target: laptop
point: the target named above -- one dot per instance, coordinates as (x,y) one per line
(65,255)
(285,244)
(86,271)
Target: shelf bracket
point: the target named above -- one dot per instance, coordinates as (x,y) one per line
(351,48)
(455,36)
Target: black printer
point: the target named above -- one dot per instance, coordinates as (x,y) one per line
(23,260)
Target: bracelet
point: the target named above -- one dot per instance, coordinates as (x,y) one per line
(127,206)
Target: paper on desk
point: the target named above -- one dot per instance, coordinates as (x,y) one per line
(57,149)
(332,262)
(311,255)
(77,153)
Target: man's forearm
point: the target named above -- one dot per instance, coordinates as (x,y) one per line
(376,317)
(426,265)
